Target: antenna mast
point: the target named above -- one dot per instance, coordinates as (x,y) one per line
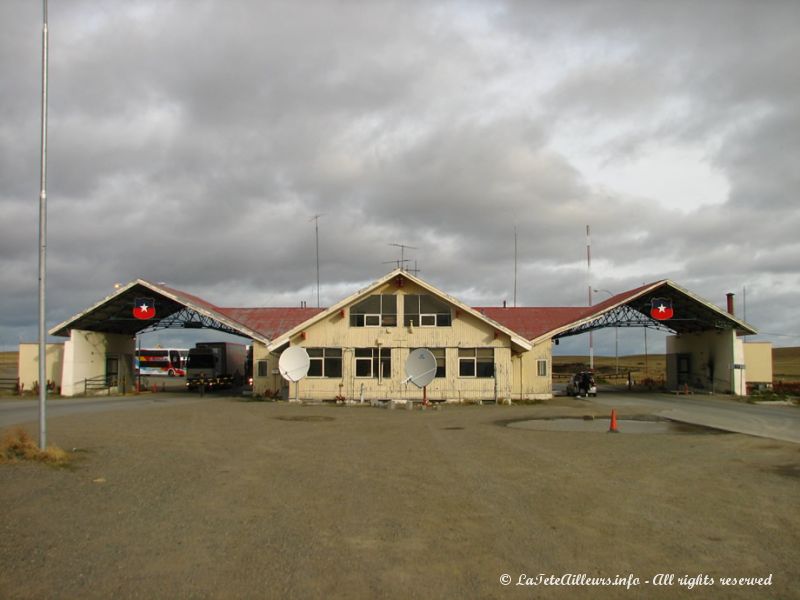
(402,253)
(315,218)
(515,267)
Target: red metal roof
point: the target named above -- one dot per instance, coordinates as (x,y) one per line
(531,322)
(270,322)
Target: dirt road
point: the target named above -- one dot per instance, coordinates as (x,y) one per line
(227,499)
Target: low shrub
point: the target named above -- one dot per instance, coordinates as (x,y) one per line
(17,445)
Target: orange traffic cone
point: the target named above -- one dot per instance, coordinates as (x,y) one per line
(613,427)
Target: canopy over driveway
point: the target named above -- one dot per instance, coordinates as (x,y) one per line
(102,337)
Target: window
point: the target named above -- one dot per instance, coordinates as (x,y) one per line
(541,367)
(378,310)
(439,354)
(262,368)
(325,362)
(476,362)
(425,310)
(373,362)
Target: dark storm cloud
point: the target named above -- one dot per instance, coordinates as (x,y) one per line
(191,143)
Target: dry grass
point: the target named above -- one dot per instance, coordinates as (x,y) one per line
(654,366)
(17,445)
(786,364)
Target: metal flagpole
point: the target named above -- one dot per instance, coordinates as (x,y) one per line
(43,245)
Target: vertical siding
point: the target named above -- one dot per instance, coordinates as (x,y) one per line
(466,331)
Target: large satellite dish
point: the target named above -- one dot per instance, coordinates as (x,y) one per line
(293,363)
(421,367)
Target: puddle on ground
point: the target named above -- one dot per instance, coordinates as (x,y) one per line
(602,425)
(306,418)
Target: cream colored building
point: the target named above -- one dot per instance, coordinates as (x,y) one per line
(358,347)
(758,359)
(28,364)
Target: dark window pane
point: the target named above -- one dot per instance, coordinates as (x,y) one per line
(466,368)
(371,304)
(333,367)
(389,302)
(363,367)
(315,367)
(485,369)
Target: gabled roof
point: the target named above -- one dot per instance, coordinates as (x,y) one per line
(692,313)
(525,325)
(113,314)
(405,275)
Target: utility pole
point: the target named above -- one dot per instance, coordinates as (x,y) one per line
(43,244)
(589,277)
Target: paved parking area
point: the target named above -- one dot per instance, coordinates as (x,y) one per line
(232,499)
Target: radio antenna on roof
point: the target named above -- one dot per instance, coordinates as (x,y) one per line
(402,252)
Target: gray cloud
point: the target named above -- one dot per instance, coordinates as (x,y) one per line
(192,142)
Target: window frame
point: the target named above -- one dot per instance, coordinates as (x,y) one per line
(324,358)
(472,357)
(541,367)
(373,319)
(379,360)
(262,362)
(414,316)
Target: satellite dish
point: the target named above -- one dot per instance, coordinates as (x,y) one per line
(421,367)
(293,363)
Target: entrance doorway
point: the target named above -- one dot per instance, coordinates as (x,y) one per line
(112,370)
(684,368)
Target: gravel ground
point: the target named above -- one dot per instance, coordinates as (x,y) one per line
(231,499)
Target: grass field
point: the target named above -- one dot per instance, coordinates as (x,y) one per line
(8,364)
(609,368)
(786,364)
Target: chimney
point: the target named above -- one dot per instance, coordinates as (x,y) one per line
(504,303)
(730,295)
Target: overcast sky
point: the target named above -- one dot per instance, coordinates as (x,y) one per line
(191,143)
